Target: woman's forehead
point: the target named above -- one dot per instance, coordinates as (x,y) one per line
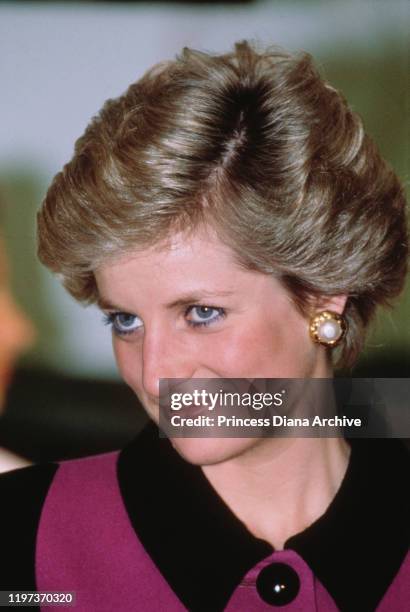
(180,252)
(187,269)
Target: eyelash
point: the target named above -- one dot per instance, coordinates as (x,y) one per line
(109,319)
(221,314)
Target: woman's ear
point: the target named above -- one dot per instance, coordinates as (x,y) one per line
(336,303)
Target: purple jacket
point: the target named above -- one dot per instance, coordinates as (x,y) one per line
(176,546)
(87,543)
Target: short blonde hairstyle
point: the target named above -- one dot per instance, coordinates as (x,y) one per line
(255,143)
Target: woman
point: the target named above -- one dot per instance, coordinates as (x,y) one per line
(16,335)
(232,220)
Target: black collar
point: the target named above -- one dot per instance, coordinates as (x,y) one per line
(355,549)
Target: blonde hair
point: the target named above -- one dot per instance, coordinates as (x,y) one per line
(255,143)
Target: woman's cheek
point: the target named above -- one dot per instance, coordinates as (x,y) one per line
(248,352)
(127,361)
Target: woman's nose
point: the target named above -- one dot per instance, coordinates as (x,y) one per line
(165,356)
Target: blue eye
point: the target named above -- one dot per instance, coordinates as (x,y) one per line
(123,323)
(203,315)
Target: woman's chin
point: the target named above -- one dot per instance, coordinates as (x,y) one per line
(210,451)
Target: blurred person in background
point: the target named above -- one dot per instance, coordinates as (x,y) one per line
(16,335)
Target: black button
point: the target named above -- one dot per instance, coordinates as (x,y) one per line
(278,584)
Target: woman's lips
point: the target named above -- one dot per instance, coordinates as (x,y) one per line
(197,391)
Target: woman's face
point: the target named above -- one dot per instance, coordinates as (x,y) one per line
(16,331)
(189,311)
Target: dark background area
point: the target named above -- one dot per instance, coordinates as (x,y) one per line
(50,416)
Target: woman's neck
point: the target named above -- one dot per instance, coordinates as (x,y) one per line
(283,485)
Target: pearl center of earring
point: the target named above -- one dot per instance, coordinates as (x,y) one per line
(329,330)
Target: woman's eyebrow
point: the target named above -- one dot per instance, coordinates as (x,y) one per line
(196,297)
(184,300)
(105,304)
